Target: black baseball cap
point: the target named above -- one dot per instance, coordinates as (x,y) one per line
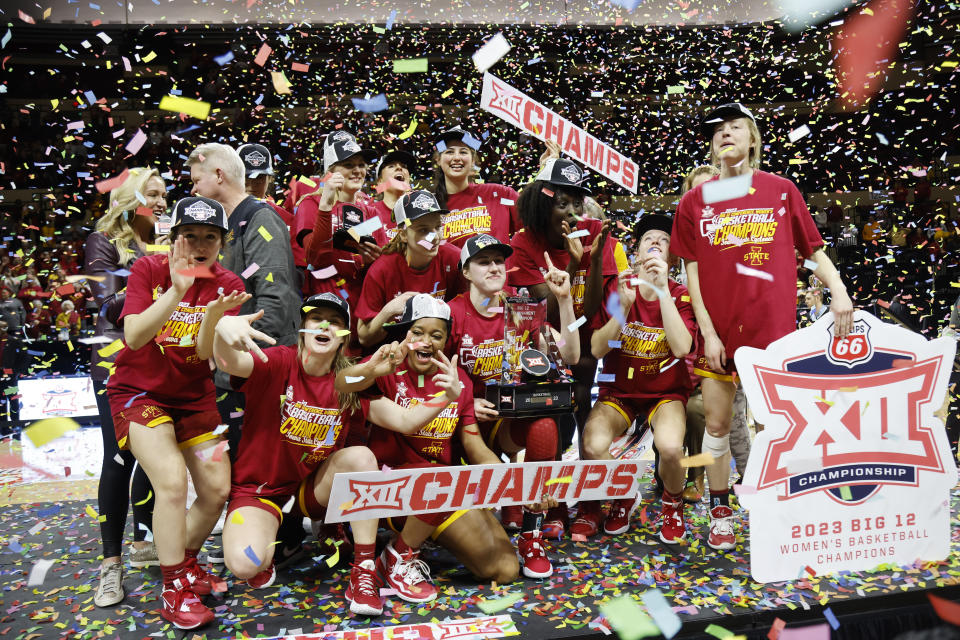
(257,160)
(457,134)
(415,204)
(329,300)
(340,146)
(563,173)
(199,210)
(408,160)
(476,244)
(659,221)
(422,305)
(728,111)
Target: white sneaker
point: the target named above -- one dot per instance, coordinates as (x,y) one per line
(110,588)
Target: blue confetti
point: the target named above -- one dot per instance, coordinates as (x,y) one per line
(253,556)
(832,619)
(372,105)
(224,59)
(393,16)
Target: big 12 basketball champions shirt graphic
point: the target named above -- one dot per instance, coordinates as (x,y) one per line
(852,468)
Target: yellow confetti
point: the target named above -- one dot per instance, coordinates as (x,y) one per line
(158,248)
(266,234)
(343,332)
(563,480)
(236,518)
(196,108)
(411,65)
(145,500)
(280,83)
(269,277)
(43,431)
(409,131)
(150,56)
(111,348)
(346,505)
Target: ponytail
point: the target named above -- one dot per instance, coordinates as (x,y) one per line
(397,244)
(440,189)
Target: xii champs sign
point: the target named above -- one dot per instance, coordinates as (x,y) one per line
(852,468)
(514,106)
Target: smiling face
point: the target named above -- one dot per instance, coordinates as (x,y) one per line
(427,229)
(732,140)
(567,207)
(396,170)
(487,271)
(354,172)
(203,242)
(323,323)
(426,337)
(456,161)
(155,193)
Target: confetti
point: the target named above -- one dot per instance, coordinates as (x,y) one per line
(488,55)
(38,572)
(196,108)
(628,619)
(499,604)
(44,431)
(413,65)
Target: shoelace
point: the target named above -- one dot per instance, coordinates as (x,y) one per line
(413,570)
(111,581)
(535,547)
(366,581)
(722,526)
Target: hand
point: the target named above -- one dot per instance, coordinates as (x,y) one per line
(600,240)
(715,353)
(448,379)
(180,261)
(386,359)
(331,186)
(573,245)
(657,269)
(396,306)
(547,501)
(552,151)
(224,303)
(239,335)
(842,308)
(368,252)
(627,291)
(558,281)
(484,410)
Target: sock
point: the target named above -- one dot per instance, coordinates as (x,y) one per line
(191,554)
(172,572)
(671,497)
(400,546)
(363,552)
(719,498)
(532,520)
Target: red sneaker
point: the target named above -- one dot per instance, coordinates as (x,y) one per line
(555,521)
(408,574)
(263,579)
(721,535)
(199,581)
(672,527)
(618,520)
(363,591)
(511,517)
(183,609)
(588,520)
(533,556)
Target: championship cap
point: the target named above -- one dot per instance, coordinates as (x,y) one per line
(563,173)
(457,134)
(199,210)
(476,244)
(340,146)
(658,221)
(422,305)
(415,204)
(408,160)
(329,300)
(724,112)
(257,160)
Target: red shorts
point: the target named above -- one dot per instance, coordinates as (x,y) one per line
(304,504)
(640,409)
(702,369)
(190,427)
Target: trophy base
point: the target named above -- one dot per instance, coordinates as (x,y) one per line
(531,398)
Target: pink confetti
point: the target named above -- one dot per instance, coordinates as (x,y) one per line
(249,271)
(136,142)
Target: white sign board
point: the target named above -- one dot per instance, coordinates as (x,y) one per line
(470,629)
(522,111)
(51,397)
(852,468)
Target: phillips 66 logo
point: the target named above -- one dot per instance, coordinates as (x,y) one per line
(852,468)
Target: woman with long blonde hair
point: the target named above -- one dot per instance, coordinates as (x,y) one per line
(121,237)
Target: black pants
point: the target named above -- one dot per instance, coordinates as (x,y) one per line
(231,402)
(114,493)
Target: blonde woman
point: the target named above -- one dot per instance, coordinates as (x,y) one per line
(122,236)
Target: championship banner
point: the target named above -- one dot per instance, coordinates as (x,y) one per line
(852,468)
(523,112)
(472,629)
(403,492)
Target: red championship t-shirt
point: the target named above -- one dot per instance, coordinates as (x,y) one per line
(390,275)
(167,368)
(384,234)
(291,424)
(477,340)
(643,366)
(481,208)
(527,266)
(346,275)
(434,442)
(734,243)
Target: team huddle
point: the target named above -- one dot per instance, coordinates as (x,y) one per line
(269,349)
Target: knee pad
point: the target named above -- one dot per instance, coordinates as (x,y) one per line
(717,447)
(542,439)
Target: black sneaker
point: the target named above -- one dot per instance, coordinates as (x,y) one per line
(214,549)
